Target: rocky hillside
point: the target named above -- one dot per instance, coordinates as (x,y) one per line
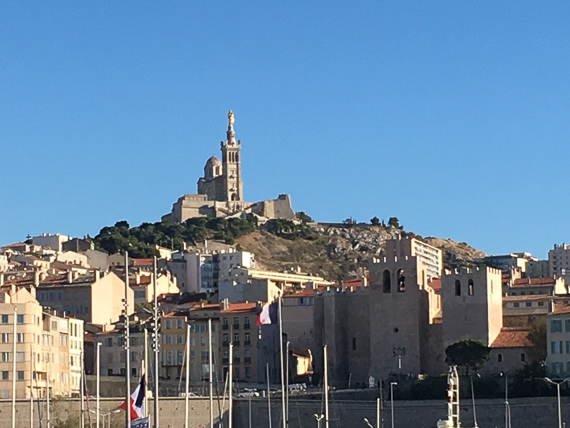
(339,252)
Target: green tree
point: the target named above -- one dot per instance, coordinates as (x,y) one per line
(467,353)
(374,221)
(394,222)
(528,381)
(537,336)
(305,218)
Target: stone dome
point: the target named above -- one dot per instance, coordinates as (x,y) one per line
(213,167)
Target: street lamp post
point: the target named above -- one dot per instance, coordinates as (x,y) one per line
(319,418)
(558,395)
(392,384)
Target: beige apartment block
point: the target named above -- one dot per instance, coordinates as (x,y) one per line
(558,342)
(297,312)
(113,354)
(198,317)
(141,282)
(94,298)
(48,354)
(537,286)
(430,256)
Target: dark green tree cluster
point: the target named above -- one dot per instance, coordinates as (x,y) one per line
(288,230)
(468,353)
(139,241)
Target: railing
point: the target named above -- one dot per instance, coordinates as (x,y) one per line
(247,326)
(225,342)
(236,342)
(225,326)
(225,360)
(247,359)
(236,359)
(247,342)
(236,325)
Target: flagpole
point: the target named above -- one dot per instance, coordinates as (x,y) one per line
(31,386)
(287,383)
(82,393)
(187,375)
(14,369)
(156,342)
(268,393)
(211,373)
(230,387)
(283,408)
(145,368)
(48,394)
(98,381)
(326,386)
(127,350)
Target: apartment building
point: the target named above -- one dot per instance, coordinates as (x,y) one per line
(198,317)
(48,347)
(113,353)
(558,342)
(430,256)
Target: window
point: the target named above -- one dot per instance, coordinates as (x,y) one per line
(20,319)
(225,338)
(20,338)
(457,287)
(180,339)
(179,323)
(354,343)
(401,281)
(523,356)
(246,354)
(54,325)
(20,375)
(168,324)
(20,356)
(192,341)
(236,337)
(247,372)
(516,304)
(542,304)
(528,304)
(246,339)
(4,393)
(4,338)
(5,357)
(168,339)
(499,358)
(555,347)
(568,326)
(557,368)
(5,375)
(246,322)
(470,288)
(202,341)
(109,342)
(556,326)
(386,282)
(4,319)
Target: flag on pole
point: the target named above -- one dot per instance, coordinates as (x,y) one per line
(268,314)
(137,401)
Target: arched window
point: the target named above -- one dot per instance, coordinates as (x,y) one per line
(386,281)
(234,197)
(523,357)
(401,281)
(470,288)
(457,287)
(499,358)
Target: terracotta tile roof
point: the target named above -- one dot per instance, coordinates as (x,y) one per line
(534,282)
(142,262)
(241,307)
(559,309)
(206,306)
(514,337)
(435,284)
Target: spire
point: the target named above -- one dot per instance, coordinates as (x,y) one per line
(231,136)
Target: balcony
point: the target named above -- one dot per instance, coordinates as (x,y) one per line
(236,342)
(247,360)
(247,326)
(225,360)
(225,326)
(247,342)
(225,342)
(236,325)
(236,359)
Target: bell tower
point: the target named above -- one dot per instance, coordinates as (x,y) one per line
(232,185)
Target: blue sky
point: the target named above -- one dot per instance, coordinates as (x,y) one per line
(451,115)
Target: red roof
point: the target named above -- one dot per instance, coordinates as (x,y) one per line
(142,262)
(435,284)
(202,306)
(241,307)
(514,337)
(534,282)
(559,309)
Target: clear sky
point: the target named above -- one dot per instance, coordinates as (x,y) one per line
(451,115)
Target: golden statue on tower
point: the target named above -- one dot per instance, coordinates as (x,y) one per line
(230,119)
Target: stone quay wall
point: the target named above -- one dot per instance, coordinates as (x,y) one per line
(525,413)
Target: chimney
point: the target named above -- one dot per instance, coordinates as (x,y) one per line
(1,279)
(224,304)
(96,275)
(364,281)
(69,276)
(36,278)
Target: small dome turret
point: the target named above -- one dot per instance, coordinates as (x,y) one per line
(213,168)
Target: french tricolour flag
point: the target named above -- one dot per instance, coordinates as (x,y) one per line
(268,314)
(137,401)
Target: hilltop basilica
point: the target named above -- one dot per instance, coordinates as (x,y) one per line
(220,190)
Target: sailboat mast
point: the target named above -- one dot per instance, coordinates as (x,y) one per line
(156,342)
(283,393)
(326,385)
(210,380)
